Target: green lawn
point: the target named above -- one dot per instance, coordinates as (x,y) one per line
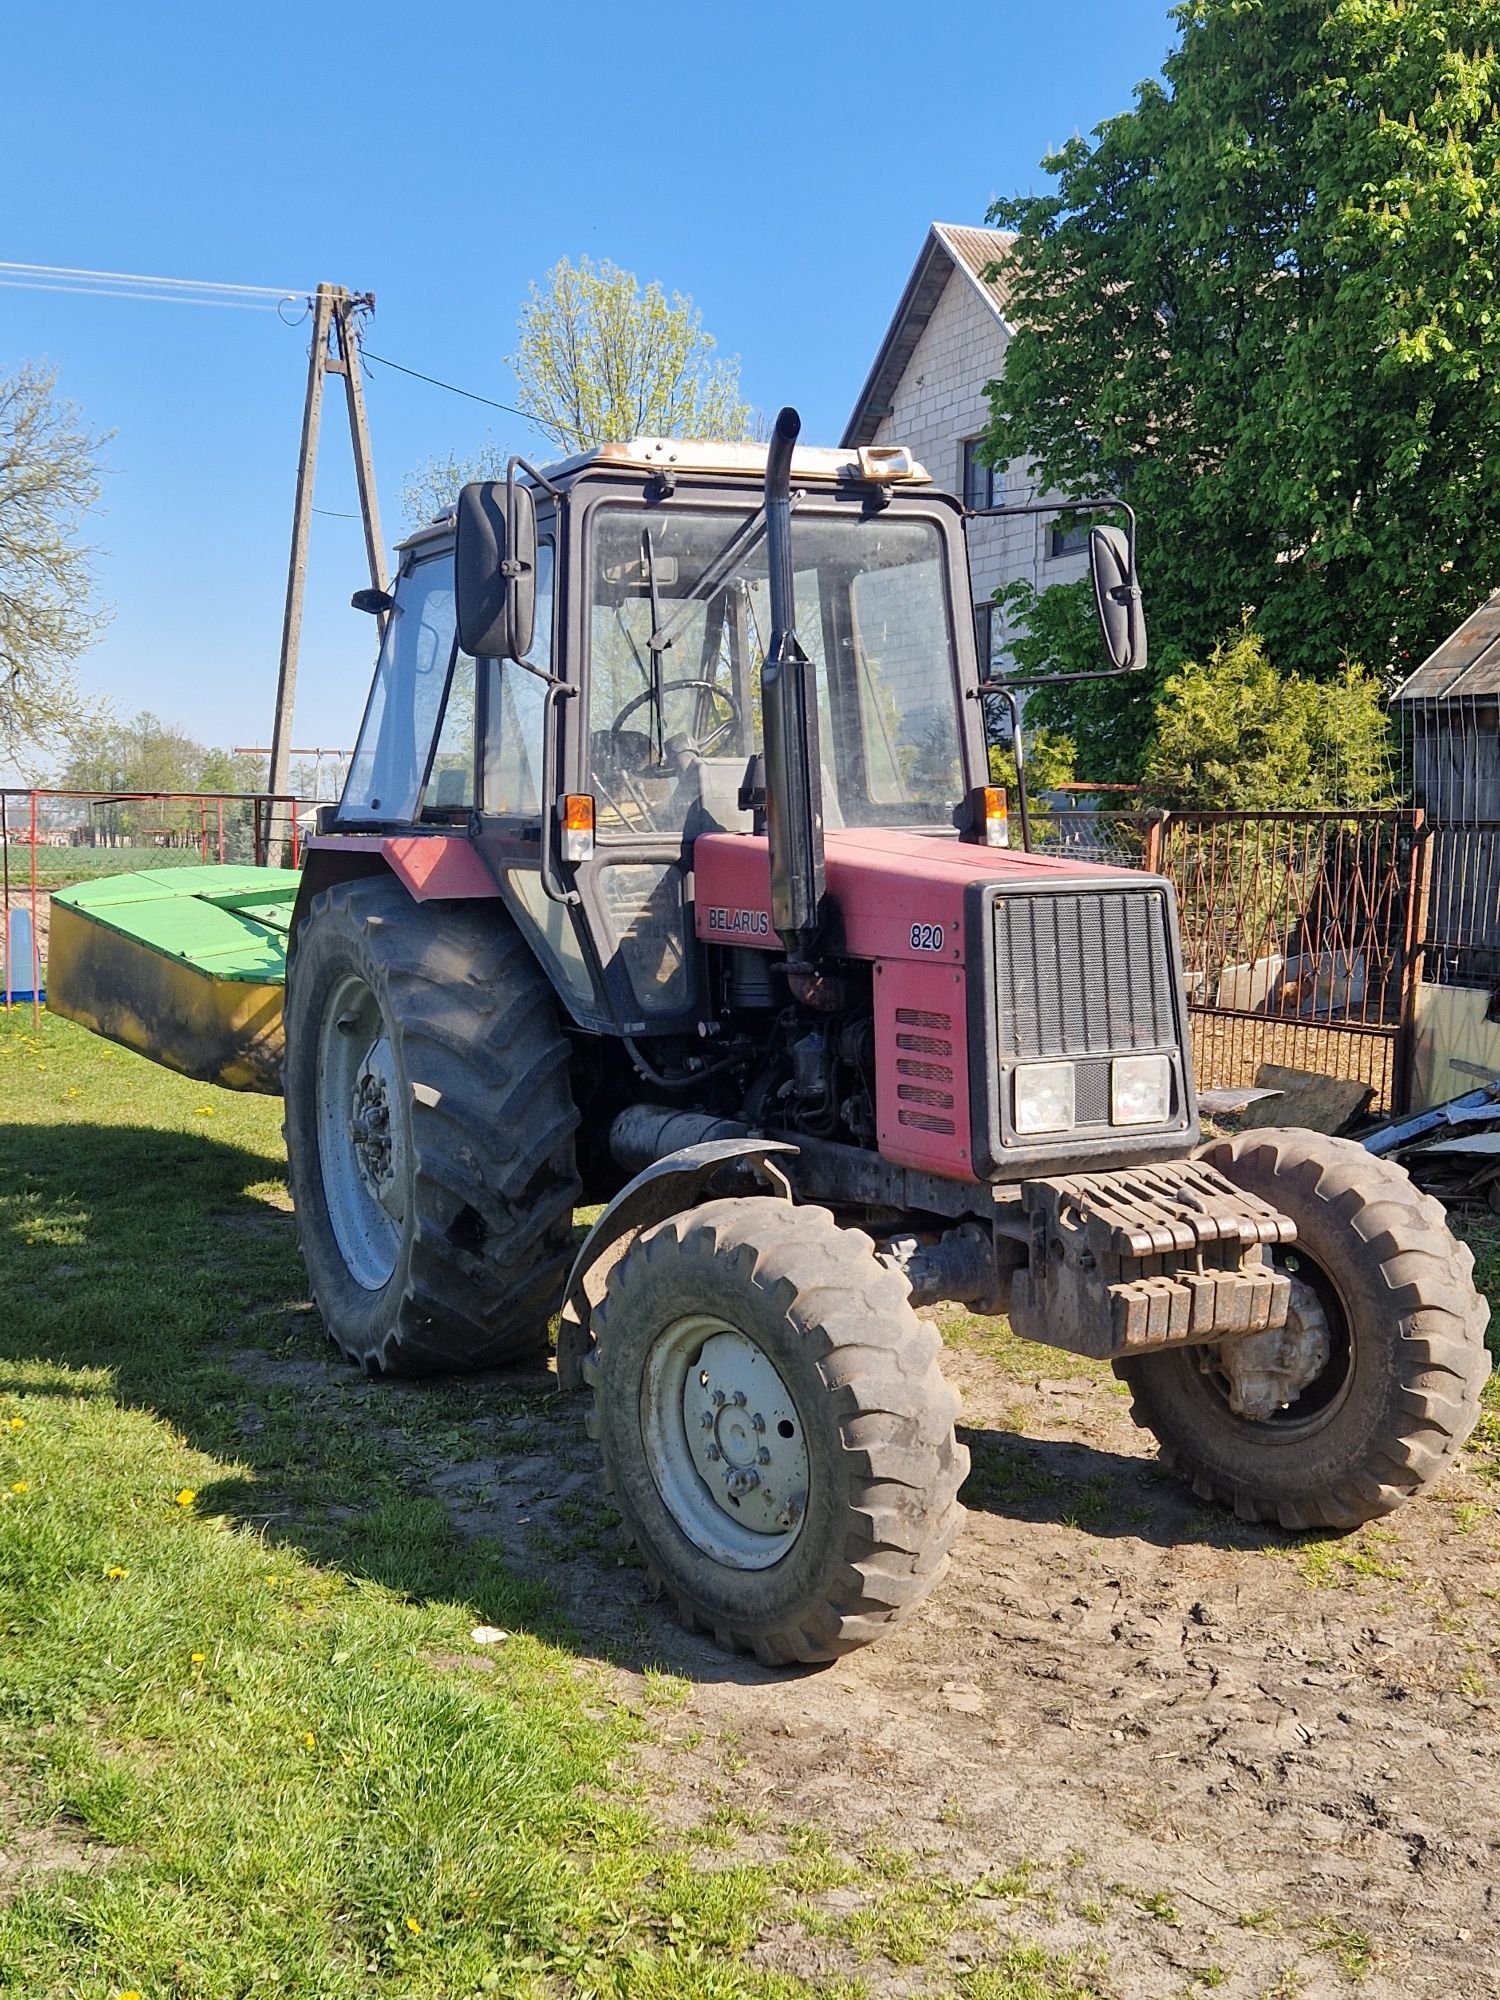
(231,1768)
(248,1745)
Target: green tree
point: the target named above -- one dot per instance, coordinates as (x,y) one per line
(601,358)
(49,613)
(1233,734)
(1260,304)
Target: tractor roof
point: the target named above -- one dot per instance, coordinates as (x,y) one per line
(873,463)
(869,464)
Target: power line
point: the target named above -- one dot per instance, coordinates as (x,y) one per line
(452,387)
(139,285)
(138,278)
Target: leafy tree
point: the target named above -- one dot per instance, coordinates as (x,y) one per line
(1260,304)
(600,358)
(146,754)
(1235,735)
(48,612)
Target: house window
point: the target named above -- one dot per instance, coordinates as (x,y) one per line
(989,631)
(1062,541)
(978,478)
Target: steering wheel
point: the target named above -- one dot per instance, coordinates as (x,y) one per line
(715,735)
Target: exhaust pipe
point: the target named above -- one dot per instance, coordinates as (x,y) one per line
(789,717)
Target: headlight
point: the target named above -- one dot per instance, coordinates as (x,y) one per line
(1140,1090)
(1044,1097)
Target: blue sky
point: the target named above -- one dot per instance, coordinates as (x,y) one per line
(780,164)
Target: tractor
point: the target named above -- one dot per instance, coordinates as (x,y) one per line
(669,876)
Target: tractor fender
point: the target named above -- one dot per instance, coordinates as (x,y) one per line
(676,1181)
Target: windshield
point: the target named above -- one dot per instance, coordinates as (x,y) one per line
(680,620)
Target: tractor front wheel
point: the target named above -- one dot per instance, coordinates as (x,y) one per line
(776,1431)
(1391,1327)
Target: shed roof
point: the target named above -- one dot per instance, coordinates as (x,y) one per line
(949,247)
(1466,663)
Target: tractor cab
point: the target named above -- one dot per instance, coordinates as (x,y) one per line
(587,761)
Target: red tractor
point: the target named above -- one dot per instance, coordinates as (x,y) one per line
(669,875)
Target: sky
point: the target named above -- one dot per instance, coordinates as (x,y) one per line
(779,164)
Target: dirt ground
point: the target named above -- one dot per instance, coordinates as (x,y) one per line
(1197,1755)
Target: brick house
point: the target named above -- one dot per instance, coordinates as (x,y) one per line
(926,390)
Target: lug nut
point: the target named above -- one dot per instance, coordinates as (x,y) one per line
(739,1399)
(763,1456)
(713,1452)
(757,1422)
(718,1399)
(708,1420)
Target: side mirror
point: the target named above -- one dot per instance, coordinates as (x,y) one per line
(494,570)
(1117,597)
(372,600)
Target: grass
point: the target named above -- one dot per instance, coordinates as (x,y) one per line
(249,1744)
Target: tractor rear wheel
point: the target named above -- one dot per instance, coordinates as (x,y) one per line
(1387,1293)
(776,1431)
(429,1126)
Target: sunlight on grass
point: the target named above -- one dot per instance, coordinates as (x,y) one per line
(251,1745)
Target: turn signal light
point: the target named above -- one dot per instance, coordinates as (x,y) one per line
(577,827)
(996,817)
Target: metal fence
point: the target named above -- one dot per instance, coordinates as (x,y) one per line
(52,840)
(1300,941)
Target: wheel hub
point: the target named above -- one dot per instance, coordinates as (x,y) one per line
(724,1442)
(1267,1372)
(361,1133)
(371,1130)
(745,1436)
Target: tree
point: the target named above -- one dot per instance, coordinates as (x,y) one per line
(148,755)
(1261,306)
(599,358)
(1235,735)
(48,611)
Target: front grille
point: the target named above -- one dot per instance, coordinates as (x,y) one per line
(1083,973)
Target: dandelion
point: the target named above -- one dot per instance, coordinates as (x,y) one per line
(198,1658)
(20,1487)
(187,1496)
(309,1741)
(414,1927)
(205,1111)
(130,1993)
(18,1423)
(115,1570)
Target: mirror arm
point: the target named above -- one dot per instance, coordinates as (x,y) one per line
(531,471)
(1008,697)
(1053,680)
(553,888)
(1098,505)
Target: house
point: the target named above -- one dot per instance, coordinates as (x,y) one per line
(925,389)
(1448,712)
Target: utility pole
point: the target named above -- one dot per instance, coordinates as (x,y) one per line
(334,351)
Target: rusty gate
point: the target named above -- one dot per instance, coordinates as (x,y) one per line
(1300,937)
(1301,932)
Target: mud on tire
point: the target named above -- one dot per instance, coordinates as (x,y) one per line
(1400,1393)
(481,1119)
(883,1464)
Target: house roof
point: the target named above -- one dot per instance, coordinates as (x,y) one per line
(1466,663)
(949,247)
